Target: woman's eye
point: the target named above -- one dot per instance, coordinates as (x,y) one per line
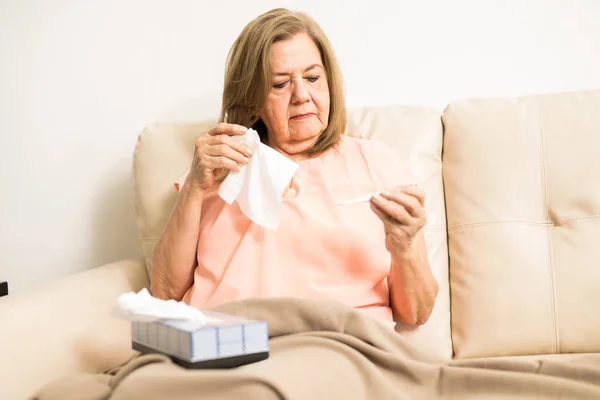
(312,78)
(279,85)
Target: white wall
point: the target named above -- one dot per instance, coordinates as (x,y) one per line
(80,79)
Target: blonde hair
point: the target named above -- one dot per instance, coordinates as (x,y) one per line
(248,74)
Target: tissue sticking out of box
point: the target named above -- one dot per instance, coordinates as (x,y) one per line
(142,306)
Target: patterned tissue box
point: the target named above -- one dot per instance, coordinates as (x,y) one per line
(224,341)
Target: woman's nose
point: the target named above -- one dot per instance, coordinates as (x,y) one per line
(300,92)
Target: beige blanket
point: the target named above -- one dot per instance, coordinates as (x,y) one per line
(325,350)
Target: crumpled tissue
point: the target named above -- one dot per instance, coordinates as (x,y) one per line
(259,185)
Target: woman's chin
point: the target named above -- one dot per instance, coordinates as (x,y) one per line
(305,141)
(299,144)
(305,134)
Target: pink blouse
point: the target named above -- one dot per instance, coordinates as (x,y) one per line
(321,250)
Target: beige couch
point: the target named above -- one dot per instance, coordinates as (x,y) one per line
(514,218)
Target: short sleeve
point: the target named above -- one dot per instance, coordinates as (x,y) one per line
(181,180)
(389,166)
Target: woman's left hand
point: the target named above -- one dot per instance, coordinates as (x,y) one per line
(402,210)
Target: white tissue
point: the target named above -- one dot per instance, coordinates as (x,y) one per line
(259,185)
(142,306)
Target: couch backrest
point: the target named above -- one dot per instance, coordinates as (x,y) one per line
(163,152)
(522,184)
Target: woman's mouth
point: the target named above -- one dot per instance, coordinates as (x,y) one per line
(302,116)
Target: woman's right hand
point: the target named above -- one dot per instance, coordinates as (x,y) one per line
(217,150)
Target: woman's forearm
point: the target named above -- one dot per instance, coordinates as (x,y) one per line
(413,288)
(174,258)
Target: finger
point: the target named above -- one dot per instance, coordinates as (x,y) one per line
(231,142)
(415,191)
(224,150)
(224,128)
(410,203)
(214,163)
(386,219)
(391,226)
(393,210)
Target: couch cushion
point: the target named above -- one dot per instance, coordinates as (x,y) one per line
(164,152)
(522,190)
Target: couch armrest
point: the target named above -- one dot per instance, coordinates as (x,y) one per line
(65,326)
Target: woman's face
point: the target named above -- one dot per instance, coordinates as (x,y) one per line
(296,110)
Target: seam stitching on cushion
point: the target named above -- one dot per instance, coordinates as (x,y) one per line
(487,223)
(549,228)
(535,223)
(569,219)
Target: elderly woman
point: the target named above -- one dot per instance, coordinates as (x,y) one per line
(283,80)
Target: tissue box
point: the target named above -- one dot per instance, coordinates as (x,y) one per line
(224,341)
